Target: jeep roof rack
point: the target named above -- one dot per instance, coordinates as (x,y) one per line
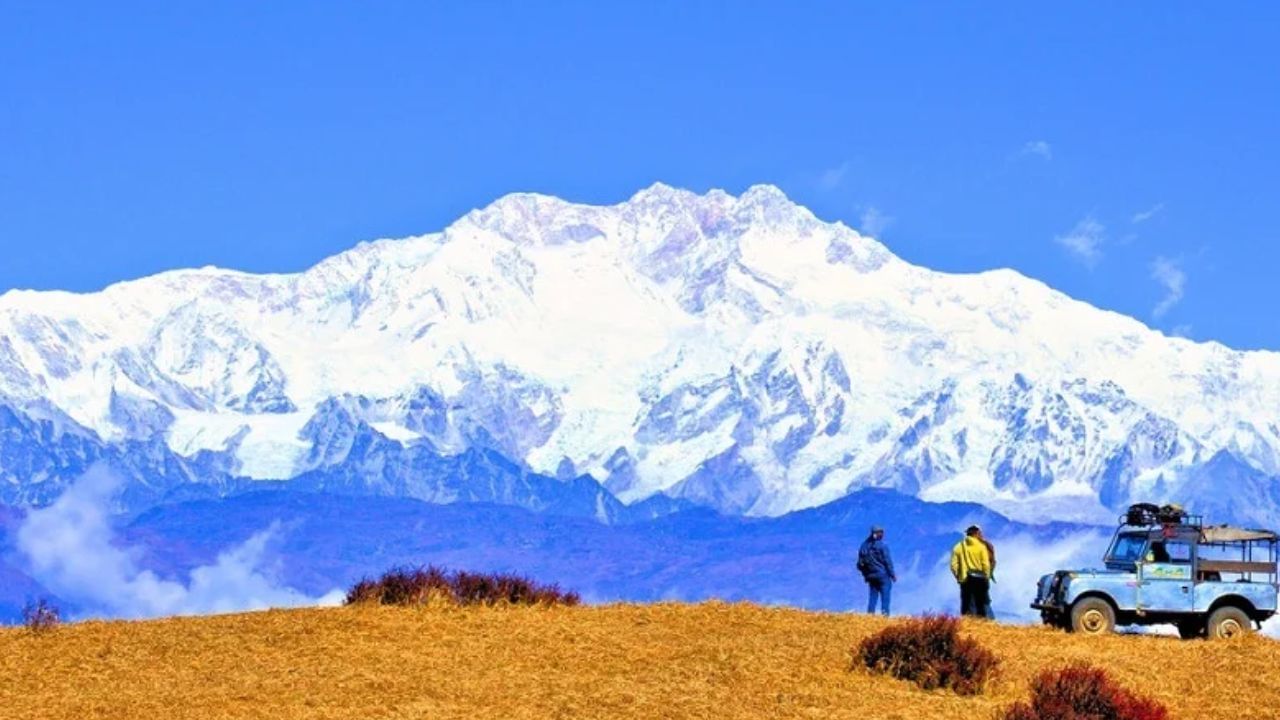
(1150,515)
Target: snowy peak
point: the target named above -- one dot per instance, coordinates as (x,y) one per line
(729,350)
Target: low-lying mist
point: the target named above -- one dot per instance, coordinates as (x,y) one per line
(71,548)
(928,587)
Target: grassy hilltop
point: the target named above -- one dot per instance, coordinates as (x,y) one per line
(622,661)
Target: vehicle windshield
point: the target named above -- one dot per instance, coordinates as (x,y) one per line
(1127,548)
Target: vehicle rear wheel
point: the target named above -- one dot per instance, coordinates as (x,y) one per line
(1229,621)
(1190,629)
(1093,616)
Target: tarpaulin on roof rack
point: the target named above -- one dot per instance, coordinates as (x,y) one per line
(1225,533)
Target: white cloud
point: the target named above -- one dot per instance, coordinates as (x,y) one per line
(1020,561)
(1145,215)
(1039,148)
(873,222)
(1085,240)
(71,549)
(1174,281)
(832,177)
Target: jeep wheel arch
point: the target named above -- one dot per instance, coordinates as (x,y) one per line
(1234,601)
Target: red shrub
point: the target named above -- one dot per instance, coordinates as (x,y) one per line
(402,586)
(365,590)
(478,589)
(930,652)
(409,586)
(1081,692)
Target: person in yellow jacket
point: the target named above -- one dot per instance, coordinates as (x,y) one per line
(972,564)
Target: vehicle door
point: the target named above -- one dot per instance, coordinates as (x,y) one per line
(1165,576)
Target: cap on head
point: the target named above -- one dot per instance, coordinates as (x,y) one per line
(876,529)
(972,530)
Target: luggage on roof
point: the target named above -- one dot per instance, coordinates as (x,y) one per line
(1145,514)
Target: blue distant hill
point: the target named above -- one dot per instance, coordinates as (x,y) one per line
(805,558)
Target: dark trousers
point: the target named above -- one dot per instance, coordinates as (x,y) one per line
(975,596)
(879,589)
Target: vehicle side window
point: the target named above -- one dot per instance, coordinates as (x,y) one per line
(1169,551)
(1177,552)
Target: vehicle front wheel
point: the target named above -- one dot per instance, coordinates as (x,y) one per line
(1093,616)
(1229,621)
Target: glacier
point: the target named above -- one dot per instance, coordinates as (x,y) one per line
(673,349)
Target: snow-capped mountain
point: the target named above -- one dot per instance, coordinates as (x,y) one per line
(730,351)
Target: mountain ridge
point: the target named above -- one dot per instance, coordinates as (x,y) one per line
(731,351)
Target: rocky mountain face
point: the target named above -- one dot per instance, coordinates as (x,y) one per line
(732,352)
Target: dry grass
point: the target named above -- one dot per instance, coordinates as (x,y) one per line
(660,661)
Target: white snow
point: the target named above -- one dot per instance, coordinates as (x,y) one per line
(395,431)
(609,310)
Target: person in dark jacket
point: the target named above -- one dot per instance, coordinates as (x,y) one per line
(876,567)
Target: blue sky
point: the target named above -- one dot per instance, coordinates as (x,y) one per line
(1125,153)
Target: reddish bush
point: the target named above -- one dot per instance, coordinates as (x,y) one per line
(930,652)
(40,616)
(477,589)
(414,586)
(1080,692)
(401,586)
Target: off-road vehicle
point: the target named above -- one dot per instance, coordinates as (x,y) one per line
(1166,567)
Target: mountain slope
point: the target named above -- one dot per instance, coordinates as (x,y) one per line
(732,351)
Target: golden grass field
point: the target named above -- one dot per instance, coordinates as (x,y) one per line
(712,660)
